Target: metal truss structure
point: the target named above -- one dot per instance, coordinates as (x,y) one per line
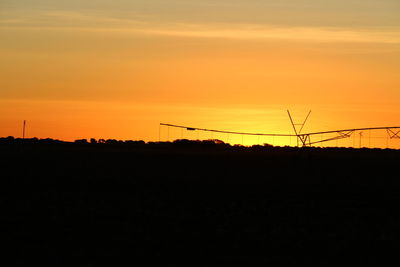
(304,139)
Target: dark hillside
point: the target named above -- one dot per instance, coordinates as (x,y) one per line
(191,203)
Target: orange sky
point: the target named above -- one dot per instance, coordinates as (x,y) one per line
(115,70)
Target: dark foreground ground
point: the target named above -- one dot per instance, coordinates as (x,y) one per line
(185,204)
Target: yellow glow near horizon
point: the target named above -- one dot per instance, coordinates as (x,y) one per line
(71,120)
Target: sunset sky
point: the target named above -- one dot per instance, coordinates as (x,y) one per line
(116,69)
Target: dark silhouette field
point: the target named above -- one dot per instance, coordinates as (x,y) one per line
(188,203)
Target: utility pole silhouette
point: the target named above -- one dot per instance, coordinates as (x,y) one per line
(23,129)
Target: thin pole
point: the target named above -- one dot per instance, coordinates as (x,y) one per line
(294,127)
(369,141)
(387,141)
(23,130)
(322,137)
(291,120)
(305,121)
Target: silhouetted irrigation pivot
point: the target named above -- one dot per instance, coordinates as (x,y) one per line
(305,138)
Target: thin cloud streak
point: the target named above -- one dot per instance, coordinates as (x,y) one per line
(75,21)
(310,34)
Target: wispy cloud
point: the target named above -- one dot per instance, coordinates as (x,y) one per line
(306,34)
(73,21)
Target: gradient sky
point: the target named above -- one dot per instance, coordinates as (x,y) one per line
(115,69)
